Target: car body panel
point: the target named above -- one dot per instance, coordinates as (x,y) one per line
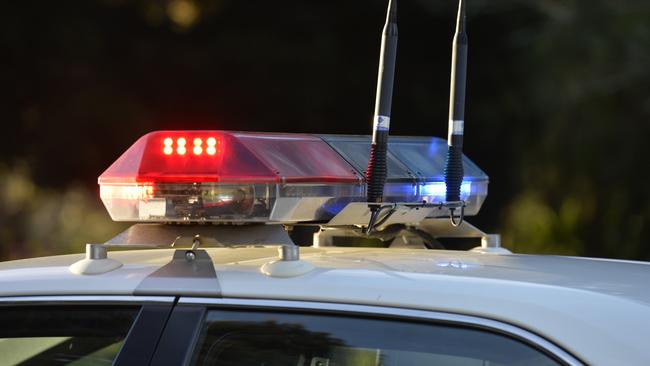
(598,310)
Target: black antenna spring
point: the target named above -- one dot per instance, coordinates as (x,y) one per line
(376,172)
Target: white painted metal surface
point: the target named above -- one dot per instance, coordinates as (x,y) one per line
(598,310)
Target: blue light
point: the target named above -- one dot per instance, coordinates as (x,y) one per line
(438,190)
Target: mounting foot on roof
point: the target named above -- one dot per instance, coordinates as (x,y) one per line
(288,263)
(96,261)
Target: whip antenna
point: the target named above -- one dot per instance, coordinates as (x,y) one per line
(454,165)
(376,171)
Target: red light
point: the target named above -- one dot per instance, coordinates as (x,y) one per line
(230,157)
(197,149)
(197,146)
(167,149)
(211,149)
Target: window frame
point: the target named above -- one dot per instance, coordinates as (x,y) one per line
(142,338)
(167,328)
(200,305)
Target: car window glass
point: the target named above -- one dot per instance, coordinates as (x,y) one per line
(70,335)
(246,338)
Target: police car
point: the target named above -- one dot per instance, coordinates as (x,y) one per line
(218,270)
(262,249)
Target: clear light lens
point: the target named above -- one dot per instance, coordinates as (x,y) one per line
(181,150)
(181,141)
(211,150)
(168,141)
(438,190)
(167,150)
(197,149)
(212,141)
(126,191)
(198,142)
(214,202)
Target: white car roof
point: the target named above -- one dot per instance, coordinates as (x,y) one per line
(597,309)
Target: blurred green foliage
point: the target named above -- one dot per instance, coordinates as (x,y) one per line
(583,171)
(558,103)
(38,222)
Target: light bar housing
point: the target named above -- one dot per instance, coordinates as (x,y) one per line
(225,176)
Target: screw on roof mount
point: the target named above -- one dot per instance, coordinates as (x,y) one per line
(190,254)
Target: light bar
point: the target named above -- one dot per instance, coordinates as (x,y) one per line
(222,176)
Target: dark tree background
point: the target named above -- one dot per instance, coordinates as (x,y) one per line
(558,104)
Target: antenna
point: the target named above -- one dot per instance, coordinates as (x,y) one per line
(376,171)
(454,165)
